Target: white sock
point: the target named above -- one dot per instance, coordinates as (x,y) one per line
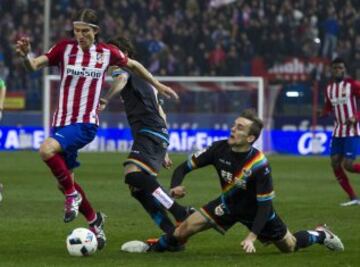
(163,198)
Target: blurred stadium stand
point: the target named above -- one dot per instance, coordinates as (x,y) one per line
(197,38)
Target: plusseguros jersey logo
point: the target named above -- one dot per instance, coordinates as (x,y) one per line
(84,72)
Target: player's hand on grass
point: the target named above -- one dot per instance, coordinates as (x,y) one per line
(23,46)
(167,162)
(248,243)
(178,191)
(167,91)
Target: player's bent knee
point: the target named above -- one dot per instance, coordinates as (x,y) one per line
(182,231)
(49,148)
(287,244)
(45,151)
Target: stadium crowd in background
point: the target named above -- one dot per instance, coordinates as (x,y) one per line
(206,40)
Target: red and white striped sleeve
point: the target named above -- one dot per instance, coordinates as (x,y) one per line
(117,57)
(55,53)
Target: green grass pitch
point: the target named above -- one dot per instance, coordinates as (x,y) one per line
(32,232)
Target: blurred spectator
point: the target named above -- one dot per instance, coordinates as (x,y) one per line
(331,31)
(4,71)
(217,59)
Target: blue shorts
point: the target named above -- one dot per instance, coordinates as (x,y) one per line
(344,146)
(72,138)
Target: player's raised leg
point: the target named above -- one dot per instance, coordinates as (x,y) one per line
(96,220)
(50,153)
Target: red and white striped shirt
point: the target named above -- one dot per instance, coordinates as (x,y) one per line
(82,77)
(341,99)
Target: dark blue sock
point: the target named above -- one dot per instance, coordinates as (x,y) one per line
(307,238)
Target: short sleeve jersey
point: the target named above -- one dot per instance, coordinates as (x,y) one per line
(82,77)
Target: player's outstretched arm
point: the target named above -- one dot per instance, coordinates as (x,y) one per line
(23,49)
(141,71)
(117,85)
(176,189)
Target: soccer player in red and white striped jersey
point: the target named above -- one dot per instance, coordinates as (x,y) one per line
(83,63)
(341,96)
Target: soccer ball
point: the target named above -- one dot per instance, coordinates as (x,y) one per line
(81,242)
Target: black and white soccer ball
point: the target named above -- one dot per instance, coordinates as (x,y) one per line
(81,242)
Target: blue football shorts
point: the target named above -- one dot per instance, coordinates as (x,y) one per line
(344,146)
(72,138)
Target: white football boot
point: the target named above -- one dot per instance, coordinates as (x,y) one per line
(331,240)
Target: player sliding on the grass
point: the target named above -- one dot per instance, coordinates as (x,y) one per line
(245,177)
(83,63)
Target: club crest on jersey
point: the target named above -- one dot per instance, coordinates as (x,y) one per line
(247,172)
(219,210)
(99,58)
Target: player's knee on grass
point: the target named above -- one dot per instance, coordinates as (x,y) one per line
(287,244)
(49,148)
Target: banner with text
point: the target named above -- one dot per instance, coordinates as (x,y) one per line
(114,139)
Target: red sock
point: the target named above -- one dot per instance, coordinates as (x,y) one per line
(85,208)
(356,167)
(344,182)
(58,167)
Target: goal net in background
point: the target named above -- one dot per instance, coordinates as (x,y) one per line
(206,111)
